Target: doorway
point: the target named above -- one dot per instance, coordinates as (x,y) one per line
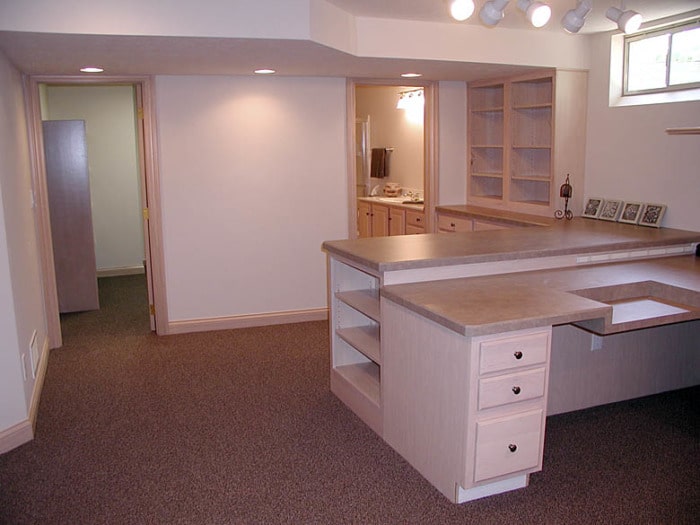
(148,216)
(367,132)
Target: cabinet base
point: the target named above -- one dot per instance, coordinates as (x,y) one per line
(497,487)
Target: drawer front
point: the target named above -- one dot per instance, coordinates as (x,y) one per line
(511,388)
(454,224)
(415,218)
(502,354)
(486,226)
(412,230)
(508,445)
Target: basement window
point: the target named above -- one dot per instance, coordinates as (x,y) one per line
(663,60)
(656,66)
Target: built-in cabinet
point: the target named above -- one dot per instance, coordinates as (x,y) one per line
(525,135)
(355,341)
(379,220)
(449,223)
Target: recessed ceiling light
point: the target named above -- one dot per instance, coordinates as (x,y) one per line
(265,71)
(411,75)
(91,69)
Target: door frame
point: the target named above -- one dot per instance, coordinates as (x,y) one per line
(430,145)
(150,182)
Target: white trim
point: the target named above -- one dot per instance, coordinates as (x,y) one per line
(123,270)
(247,321)
(39,382)
(16,435)
(497,487)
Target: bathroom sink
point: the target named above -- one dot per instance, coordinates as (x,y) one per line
(398,200)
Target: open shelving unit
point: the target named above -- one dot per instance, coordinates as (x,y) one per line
(525,133)
(356,341)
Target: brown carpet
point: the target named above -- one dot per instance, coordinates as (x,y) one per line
(239,427)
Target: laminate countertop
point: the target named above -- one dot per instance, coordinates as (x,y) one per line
(606,298)
(578,236)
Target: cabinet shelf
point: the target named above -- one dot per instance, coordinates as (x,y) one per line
(364,378)
(532,146)
(364,301)
(363,338)
(536,178)
(545,105)
(496,109)
(494,175)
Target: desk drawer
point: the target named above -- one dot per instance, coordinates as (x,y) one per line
(449,223)
(511,388)
(508,445)
(415,218)
(512,352)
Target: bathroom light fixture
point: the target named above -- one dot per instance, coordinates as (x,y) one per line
(574,19)
(265,71)
(537,13)
(627,21)
(492,12)
(411,75)
(91,69)
(411,99)
(461,9)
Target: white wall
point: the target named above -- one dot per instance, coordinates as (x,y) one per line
(21,300)
(254,179)
(629,156)
(109,115)
(391,128)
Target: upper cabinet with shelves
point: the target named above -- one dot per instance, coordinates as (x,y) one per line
(525,134)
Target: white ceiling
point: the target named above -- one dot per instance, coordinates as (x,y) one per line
(64,54)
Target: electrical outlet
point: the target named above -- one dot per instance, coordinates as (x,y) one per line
(34,353)
(596,342)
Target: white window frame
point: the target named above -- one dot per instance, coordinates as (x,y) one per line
(667,30)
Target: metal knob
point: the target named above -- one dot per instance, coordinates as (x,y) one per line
(512,447)
(516,390)
(518,354)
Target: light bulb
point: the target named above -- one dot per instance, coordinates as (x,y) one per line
(461,9)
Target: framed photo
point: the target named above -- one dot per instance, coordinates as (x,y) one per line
(631,212)
(652,214)
(610,210)
(592,208)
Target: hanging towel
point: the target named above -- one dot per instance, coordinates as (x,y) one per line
(378,168)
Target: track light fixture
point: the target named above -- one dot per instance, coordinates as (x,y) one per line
(492,12)
(537,13)
(574,19)
(627,21)
(461,9)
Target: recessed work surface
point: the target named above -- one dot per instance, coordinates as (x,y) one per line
(499,216)
(653,292)
(578,236)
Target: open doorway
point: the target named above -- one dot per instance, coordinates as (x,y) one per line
(408,140)
(134,246)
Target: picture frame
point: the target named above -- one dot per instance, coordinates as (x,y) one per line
(652,214)
(631,211)
(592,207)
(610,210)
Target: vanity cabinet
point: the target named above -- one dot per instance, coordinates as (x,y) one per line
(525,135)
(415,222)
(376,219)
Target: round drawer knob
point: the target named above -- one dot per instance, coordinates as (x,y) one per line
(516,390)
(512,447)
(518,354)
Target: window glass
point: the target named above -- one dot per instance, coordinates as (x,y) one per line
(647,63)
(685,58)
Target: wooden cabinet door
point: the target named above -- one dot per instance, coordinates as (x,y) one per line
(380,220)
(364,219)
(397,221)
(68,183)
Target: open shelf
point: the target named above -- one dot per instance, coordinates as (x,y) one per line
(364,301)
(363,338)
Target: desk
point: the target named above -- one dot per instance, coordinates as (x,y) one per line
(426,370)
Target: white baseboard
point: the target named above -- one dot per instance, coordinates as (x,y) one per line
(124,270)
(247,321)
(23,432)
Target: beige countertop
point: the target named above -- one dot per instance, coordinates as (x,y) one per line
(498,216)
(646,293)
(404,203)
(578,236)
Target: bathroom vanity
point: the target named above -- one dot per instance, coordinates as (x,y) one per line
(454,348)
